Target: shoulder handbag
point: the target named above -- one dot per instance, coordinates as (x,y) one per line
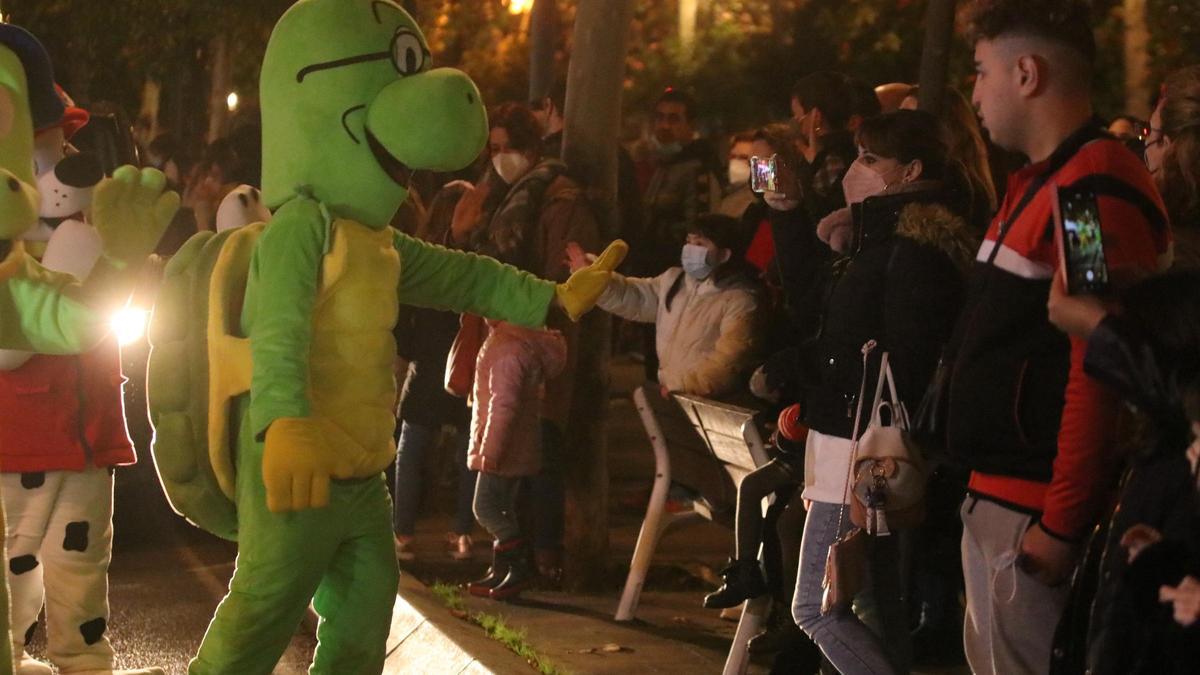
(846,562)
(889,475)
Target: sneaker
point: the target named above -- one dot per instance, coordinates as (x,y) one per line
(460,546)
(404,549)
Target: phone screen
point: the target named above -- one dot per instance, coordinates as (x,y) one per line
(763,176)
(1081,241)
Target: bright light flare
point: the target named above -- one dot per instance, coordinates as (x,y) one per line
(519,6)
(129,325)
(231,101)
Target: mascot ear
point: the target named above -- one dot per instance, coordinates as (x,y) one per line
(6,112)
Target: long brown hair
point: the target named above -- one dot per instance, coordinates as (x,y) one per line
(1180,182)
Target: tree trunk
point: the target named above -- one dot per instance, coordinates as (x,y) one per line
(1137,59)
(595,80)
(687,25)
(543,36)
(220,84)
(935,57)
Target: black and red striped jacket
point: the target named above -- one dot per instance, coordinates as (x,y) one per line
(1036,431)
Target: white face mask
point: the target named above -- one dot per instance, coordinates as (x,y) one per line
(694,259)
(739,172)
(861,182)
(510,166)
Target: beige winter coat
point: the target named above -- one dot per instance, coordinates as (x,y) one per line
(707,341)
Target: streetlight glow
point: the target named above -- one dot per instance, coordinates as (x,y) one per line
(129,325)
(231,101)
(519,6)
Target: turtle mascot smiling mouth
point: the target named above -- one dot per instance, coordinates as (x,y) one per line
(272,404)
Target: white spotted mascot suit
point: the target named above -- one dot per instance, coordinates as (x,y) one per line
(65,433)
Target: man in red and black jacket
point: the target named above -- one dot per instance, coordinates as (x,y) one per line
(1035,431)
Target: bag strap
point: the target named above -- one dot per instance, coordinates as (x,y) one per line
(1057,161)
(888,379)
(867,348)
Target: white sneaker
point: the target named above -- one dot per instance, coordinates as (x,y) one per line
(27,665)
(404,549)
(460,546)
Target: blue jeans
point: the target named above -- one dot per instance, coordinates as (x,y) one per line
(415,441)
(845,640)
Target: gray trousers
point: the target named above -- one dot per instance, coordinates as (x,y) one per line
(1011,617)
(496,505)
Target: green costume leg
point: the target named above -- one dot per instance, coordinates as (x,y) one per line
(282,560)
(356,597)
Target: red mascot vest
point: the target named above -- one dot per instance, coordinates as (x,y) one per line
(64,413)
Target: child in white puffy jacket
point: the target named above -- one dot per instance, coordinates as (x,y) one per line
(706,311)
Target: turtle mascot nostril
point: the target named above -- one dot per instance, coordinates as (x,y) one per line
(280,431)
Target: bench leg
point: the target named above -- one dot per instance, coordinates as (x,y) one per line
(655,523)
(754,616)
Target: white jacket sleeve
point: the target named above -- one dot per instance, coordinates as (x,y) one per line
(633,298)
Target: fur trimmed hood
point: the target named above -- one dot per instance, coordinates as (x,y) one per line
(934,224)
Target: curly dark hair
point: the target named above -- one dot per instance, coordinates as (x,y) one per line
(524,131)
(1065,22)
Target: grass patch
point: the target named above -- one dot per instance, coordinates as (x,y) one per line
(496,628)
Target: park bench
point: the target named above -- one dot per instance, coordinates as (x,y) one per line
(709,447)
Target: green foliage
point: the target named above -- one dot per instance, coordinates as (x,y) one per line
(496,628)
(1174,35)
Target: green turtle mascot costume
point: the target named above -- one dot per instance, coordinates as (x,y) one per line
(271,385)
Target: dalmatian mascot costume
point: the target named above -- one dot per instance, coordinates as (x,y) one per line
(63,434)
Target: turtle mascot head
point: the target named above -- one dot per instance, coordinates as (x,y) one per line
(351,107)
(23,60)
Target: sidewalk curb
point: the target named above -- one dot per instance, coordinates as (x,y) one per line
(426,638)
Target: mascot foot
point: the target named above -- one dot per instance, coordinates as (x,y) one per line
(27,665)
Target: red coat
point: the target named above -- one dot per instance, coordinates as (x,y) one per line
(62,413)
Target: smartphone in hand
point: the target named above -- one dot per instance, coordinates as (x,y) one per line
(1080,240)
(763,174)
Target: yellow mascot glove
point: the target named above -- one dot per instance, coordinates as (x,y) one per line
(579,294)
(131,211)
(298,461)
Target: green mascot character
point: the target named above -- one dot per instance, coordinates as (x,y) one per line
(271,385)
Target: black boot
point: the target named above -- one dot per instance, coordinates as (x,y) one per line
(496,573)
(743,580)
(520,571)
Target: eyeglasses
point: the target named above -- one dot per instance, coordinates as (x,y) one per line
(407,53)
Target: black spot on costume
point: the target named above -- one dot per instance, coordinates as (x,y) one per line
(22,564)
(93,630)
(77,536)
(33,480)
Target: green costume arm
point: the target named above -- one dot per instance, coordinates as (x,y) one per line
(436,277)
(46,312)
(284,274)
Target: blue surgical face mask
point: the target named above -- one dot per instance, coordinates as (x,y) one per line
(695,261)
